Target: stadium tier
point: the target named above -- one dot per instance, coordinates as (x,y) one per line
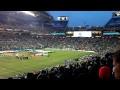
(114,21)
(60,24)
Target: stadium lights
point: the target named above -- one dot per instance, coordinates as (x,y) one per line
(28,12)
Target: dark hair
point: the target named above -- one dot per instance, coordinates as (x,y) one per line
(116,55)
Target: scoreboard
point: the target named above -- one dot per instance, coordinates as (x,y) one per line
(116,14)
(62,18)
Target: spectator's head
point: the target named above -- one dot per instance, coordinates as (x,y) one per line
(30,76)
(10,78)
(103,62)
(104,72)
(116,64)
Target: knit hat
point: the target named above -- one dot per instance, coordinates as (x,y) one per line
(104,72)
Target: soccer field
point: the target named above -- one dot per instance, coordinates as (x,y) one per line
(13,66)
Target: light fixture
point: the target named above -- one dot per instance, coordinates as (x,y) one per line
(28,12)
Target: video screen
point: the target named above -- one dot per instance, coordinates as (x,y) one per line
(82,34)
(62,18)
(111,33)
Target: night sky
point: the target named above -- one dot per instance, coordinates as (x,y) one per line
(82,18)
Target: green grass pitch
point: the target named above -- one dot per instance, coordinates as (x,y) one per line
(12,66)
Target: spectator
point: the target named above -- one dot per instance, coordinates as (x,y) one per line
(94,71)
(116,64)
(104,73)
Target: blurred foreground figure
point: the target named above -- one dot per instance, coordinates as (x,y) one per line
(116,64)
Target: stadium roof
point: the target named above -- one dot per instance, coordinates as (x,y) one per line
(32,15)
(43,14)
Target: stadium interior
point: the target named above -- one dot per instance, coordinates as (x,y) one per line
(53,50)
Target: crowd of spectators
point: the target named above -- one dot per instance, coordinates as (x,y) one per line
(42,28)
(94,28)
(100,45)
